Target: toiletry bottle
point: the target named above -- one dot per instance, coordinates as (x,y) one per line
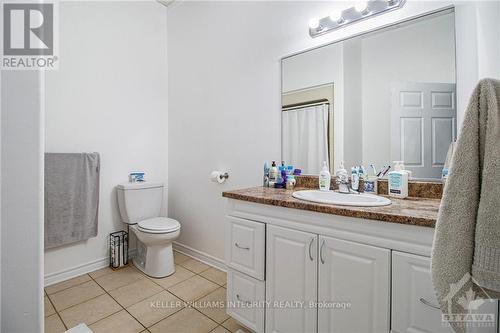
(324,178)
(342,179)
(290,182)
(266,175)
(362,172)
(398,181)
(342,173)
(279,179)
(273,173)
(355,178)
(363,177)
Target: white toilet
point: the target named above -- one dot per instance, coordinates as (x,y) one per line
(140,206)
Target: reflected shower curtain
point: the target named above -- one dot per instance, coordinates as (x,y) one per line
(305,137)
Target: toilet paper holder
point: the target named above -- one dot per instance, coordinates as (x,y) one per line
(219,176)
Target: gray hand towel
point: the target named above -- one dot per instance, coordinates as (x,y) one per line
(71,197)
(466,250)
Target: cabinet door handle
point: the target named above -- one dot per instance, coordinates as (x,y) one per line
(241,300)
(241,247)
(310,246)
(426,302)
(321,252)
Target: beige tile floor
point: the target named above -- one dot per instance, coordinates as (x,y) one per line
(127,301)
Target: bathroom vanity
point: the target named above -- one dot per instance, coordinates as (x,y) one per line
(296,266)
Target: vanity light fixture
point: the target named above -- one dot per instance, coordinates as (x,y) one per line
(336,16)
(313,24)
(361,11)
(360,6)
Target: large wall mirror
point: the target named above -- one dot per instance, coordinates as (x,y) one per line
(384,96)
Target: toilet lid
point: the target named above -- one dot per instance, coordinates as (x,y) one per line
(159,225)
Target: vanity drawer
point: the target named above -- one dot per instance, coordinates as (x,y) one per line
(245,246)
(246,296)
(414,305)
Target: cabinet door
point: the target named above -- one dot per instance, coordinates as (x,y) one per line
(291,271)
(354,282)
(415,308)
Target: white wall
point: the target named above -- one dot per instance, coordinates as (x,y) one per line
(420,52)
(478,46)
(21,202)
(352,139)
(108,96)
(224,98)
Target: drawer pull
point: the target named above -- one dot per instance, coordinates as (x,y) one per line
(241,247)
(426,302)
(310,253)
(321,252)
(241,300)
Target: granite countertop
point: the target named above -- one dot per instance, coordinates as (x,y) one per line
(414,211)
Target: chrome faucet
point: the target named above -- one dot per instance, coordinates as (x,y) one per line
(343,183)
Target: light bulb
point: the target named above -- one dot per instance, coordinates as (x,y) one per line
(314,23)
(335,16)
(360,6)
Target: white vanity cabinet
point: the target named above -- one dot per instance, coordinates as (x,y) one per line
(354,287)
(291,281)
(343,287)
(360,275)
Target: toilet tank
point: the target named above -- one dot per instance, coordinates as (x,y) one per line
(139,201)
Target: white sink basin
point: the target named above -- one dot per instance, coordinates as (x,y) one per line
(336,198)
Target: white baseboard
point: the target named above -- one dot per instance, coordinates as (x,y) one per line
(91,266)
(200,255)
(75,271)
(78,270)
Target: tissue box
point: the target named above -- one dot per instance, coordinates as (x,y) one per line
(136,176)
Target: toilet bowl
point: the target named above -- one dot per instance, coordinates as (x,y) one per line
(158,260)
(140,206)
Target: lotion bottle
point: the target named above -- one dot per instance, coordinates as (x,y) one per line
(324,178)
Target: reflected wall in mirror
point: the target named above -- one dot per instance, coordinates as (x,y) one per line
(384,96)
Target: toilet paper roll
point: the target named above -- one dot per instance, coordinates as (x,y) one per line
(218,176)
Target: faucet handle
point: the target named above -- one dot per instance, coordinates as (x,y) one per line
(342,178)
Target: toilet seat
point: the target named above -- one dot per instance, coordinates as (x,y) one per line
(159,225)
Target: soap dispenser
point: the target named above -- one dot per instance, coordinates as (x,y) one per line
(324,178)
(398,181)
